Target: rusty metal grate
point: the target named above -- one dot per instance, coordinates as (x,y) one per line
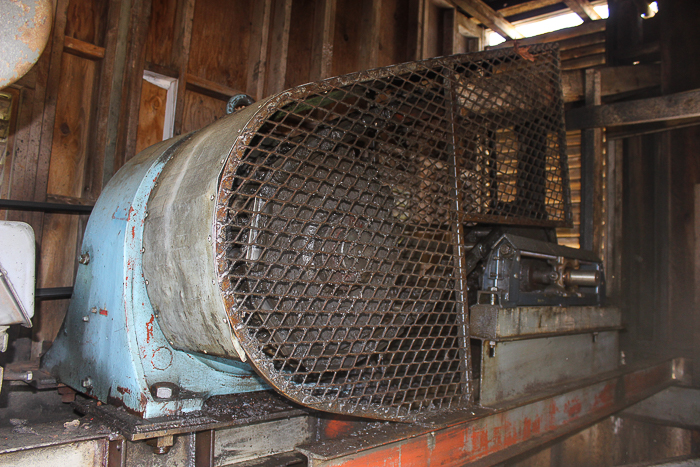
(340,213)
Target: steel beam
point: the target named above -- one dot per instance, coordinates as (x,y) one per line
(488,436)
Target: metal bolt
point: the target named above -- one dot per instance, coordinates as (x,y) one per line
(86,383)
(84,258)
(86,318)
(164,392)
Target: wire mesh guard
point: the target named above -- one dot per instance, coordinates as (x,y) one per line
(339,217)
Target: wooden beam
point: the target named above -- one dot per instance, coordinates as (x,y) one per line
(322,47)
(417,25)
(584,9)
(656,109)
(181,57)
(210,88)
(592,171)
(468,27)
(489,17)
(279,46)
(591,27)
(526,7)
(615,80)
(369,41)
(140,22)
(257,55)
(83,49)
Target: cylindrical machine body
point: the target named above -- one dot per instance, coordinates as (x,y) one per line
(179,233)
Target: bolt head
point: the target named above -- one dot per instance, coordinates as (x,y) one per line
(164,392)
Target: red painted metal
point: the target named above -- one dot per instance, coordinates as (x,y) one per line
(491,436)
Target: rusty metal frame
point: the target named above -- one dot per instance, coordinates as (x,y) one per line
(489,436)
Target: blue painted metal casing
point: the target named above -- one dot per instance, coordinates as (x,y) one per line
(111,345)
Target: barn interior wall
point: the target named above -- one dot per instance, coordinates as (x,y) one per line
(85,109)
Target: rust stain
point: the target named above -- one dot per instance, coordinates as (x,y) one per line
(605,397)
(573,407)
(103,312)
(149,329)
(336,428)
(122,390)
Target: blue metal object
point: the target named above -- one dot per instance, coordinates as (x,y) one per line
(111,345)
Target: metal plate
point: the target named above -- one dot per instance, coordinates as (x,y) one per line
(340,213)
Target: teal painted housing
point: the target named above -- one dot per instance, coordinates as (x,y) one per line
(111,346)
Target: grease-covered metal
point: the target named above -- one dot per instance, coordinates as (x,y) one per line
(25,26)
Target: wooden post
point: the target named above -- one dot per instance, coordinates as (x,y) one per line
(279,46)
(257,55)
(416,36)
(140,21)
(592,172)
(369,40)
(612,253)
(322,47)
(181,57)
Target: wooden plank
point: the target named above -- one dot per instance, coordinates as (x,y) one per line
(162,35)
(591,171)
(209,88)
(656,109)
(582,41)
(417,25)
(201,110)
(613,224)
(109,89)
(449,31)
(151,116)
(278,46)
(615,80)
(584,9)
(395,33)
(591,27)
(257,55)
(83,49)
(369,34)
(181,56)
(468,27)
(140,21)
(489,17)
(526,7)
(322,46)
(584,62)
(580,52)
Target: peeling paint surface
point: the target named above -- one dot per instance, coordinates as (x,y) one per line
(25,26)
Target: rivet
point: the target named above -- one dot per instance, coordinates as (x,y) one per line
(146,281)
(86,318)
(211,197)
(93,309)
(143,249)
(84,258)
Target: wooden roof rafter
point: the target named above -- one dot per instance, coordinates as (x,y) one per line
(488,17)
(584,9)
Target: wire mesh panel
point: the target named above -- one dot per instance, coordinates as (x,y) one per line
(339,217)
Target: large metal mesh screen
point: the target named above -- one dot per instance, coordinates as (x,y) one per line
(340,214)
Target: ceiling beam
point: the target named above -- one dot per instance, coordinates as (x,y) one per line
(584,9)
(488,17)
(526,7)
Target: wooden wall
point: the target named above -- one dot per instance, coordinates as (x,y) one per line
(85,109)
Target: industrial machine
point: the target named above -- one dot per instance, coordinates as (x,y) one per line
(327,242)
